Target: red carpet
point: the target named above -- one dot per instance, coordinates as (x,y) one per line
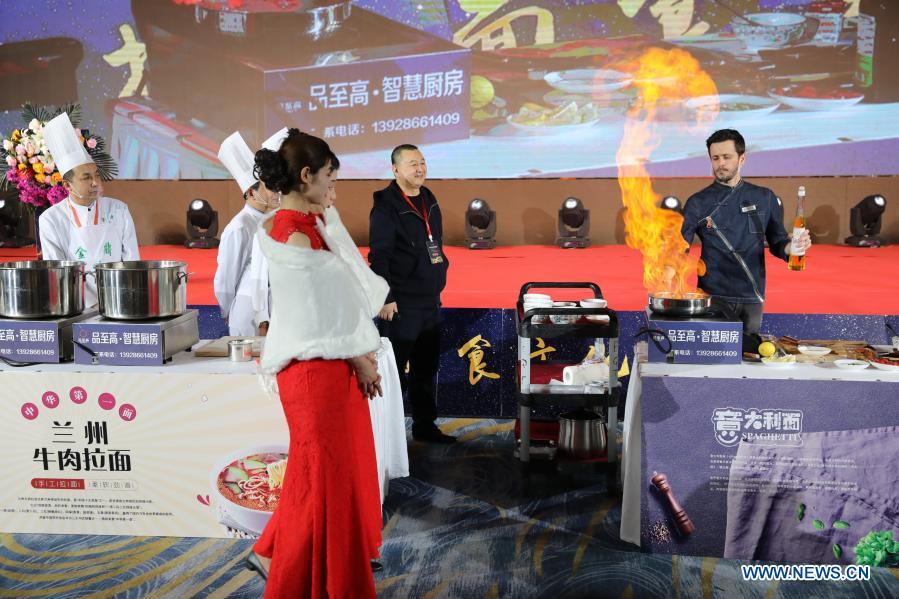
(839,279)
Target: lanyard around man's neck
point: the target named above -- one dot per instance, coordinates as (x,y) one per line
(75,214)
(422,213)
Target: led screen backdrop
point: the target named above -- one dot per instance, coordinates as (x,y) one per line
(488,89)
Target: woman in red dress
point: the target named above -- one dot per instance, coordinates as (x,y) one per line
(327,525)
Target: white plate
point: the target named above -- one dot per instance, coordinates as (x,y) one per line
(608,105)
(550,129)
(564,304)
(761,105)
(885,367)
(814,350)
(587,81)
(778,364)
(817,104)
(850,364)
(594,302)
(598,317)
(529,307)
(557,97)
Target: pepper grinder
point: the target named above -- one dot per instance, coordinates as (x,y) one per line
(681,519)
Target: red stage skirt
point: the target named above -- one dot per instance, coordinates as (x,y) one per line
(327,525)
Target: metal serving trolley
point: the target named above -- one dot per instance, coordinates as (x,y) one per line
(602,399)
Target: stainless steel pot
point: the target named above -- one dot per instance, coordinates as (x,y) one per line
(41,289)
(142,289)
(316,19)
(240,350)
(687,304)
(325,20)
(582,434)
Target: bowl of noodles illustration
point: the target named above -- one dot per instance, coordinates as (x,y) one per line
(248,483)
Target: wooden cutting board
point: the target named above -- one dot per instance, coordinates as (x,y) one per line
(218,348)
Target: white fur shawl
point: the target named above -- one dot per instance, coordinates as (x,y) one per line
(323,302)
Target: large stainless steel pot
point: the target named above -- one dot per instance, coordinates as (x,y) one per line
(687,304)
(582,434)
(316,19)
(41,289)
(142,289)
(325,20)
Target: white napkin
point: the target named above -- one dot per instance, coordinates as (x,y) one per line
(585,373)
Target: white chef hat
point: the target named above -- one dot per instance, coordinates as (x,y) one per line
(65,148)
(237,157)
(274,142)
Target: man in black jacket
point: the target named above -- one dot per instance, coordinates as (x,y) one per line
(733,218)
(406,240)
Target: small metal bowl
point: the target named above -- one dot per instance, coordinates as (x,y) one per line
(240,350)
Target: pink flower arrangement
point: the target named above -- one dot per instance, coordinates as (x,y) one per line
(33,193)
(25,160)
(30,166)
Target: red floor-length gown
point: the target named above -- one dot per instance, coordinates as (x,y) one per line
(328,522)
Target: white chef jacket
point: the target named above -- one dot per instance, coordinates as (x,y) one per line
(101,232)
(231,283)
(257,283)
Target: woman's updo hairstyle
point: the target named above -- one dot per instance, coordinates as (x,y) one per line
(280,171)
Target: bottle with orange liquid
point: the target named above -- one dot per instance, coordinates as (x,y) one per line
(797,256)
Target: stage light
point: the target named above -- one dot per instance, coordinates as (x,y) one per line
(574,225)
(673,204)
(480,226)
(202,225)
(13,222)
(865,220)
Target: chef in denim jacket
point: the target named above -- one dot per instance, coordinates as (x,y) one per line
(733,218)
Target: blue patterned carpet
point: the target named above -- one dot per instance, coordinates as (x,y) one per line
(458,527)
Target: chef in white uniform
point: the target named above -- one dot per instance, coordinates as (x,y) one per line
(256,285)
(232,283)
(86,226)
